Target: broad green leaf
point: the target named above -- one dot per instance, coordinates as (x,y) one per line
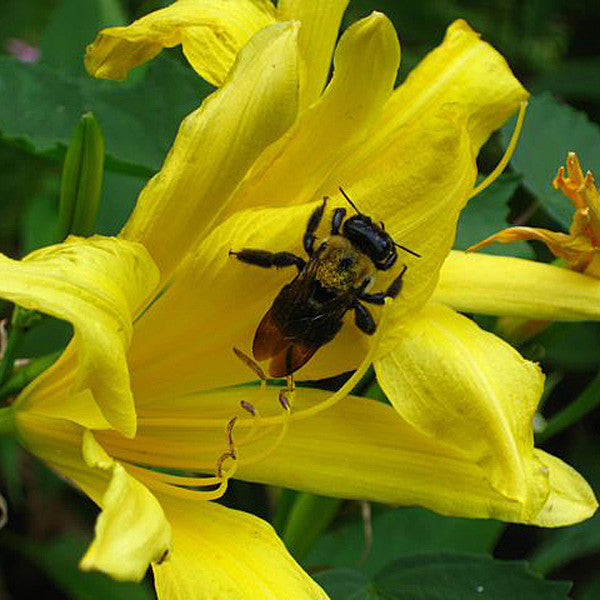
(347,584)
(40,107)
(568,544)
(59,560)
(552,129)
(448,576)
(40,216)
(576,78)
(119,194)
(572,346)
(73,25)
(401,532)
(443,576)
(486,214)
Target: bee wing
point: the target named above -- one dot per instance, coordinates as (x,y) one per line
(291,358)
(269,338)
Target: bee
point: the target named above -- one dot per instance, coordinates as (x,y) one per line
(308,312)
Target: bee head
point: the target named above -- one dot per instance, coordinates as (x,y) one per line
(371,239)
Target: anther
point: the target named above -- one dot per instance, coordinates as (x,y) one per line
(251,364)
(230,435)
(284,401)
(248,407)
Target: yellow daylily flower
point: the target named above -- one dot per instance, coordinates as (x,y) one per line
(580,248)
(246,170)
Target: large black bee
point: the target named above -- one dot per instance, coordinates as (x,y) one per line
(308,312)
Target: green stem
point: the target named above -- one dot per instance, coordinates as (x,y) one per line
(25,375)
(7,422)
(585,403)
(12,345)
(307,520)
(22,319)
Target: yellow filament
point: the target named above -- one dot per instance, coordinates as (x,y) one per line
(155,482)
(507,154)
(282,433)
(184,481)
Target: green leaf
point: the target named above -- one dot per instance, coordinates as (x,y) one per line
(568,544)
(401,532)
(576,78)
(552,129)
(119,194)
(59,560)
(72,27)
(444,576)
(40,107)
(487,214)
(347,584)
(571,346)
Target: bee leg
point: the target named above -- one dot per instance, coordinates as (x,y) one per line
(363,319)
(266,259)
(392,291)
(336,221)
(311,227)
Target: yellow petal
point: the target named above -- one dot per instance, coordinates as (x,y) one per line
(211,32)
(319,31)
(417,169)
(98,285)
(216,145)
(185,340)
(358,449)
(466,388)
(507,286)
(131,530)
(570,494)
(223,553)
(294,169)
(464,71)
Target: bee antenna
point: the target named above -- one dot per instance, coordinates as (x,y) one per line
(407,250)
(349,201)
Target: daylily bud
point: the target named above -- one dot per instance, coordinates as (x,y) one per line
(81,181)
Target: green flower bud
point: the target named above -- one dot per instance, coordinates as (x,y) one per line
(81,182)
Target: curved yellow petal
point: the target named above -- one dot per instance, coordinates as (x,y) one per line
(131,530)
(223,553)
(211,33)
(570,494)
(216,145)
(98,285)
(466,388)
(185,340)
(319,31)
(294,169)
(358,449)
(418,168)
(507,286)
(463,71)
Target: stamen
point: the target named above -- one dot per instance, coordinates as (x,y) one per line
(282,433)
(251,364)
(507,154)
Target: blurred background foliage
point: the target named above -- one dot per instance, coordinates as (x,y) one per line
(553,47)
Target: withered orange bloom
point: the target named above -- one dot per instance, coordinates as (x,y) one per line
(580,248)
